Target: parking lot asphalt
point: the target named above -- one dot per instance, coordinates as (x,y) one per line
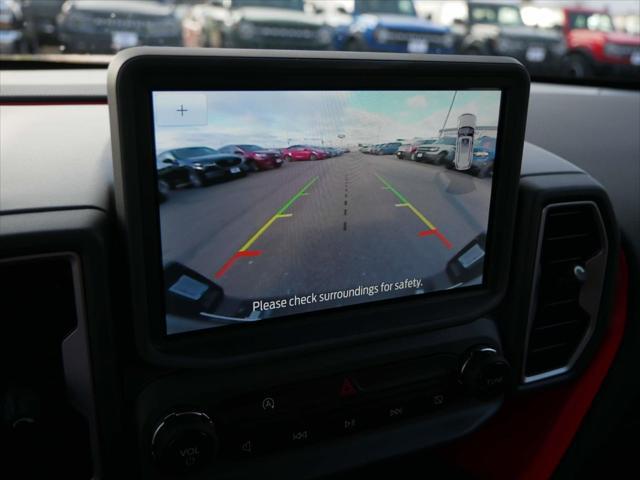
(312,227)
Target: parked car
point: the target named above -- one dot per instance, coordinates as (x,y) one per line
(334,152)
(255,24)
(40,16)
(376,148)
(409,152)
(171,175)
(484,153)
(496,28)
(255,157)
(442,151)
(389,148)
(388,26)
(12,38)
(204,164)
(594,46)
(304,152)
(106,26)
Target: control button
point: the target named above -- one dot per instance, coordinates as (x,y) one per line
(184,442)
(268,404)
(343,422)
(485,373)
(257,407)
(387,412)
(298,433)
(436,400)
(245,443)
(347,389)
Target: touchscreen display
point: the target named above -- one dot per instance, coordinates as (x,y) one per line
(275,203)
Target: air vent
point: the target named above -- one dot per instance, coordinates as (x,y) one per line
(569,276)
(40,430)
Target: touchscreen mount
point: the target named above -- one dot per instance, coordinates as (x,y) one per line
(275,203)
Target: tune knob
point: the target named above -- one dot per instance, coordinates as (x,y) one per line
(485,373)
(184,442)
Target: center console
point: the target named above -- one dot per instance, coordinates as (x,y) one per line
(320,255)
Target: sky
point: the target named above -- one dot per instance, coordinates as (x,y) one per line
(279,119)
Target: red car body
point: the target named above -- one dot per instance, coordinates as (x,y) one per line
(599,47)
(304,152)
(256,157)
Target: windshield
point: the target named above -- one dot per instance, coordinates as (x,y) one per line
(399,7)
(600,22)
(496,14)
(288,4)
(192,152)
(447,141)
(250,148)
(87,33)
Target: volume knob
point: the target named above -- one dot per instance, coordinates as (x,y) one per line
(184,442)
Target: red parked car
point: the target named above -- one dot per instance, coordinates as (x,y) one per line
(304,152)
(256,158)
(595,48)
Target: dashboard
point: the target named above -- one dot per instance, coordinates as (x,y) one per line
(308,392)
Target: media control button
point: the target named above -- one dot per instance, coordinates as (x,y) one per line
(246,443)
(297,433)
(344,422)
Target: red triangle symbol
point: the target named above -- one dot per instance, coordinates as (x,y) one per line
(347,388)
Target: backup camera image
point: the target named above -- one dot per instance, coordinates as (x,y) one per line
(274,203)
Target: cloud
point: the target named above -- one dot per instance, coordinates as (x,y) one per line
(278,119)
(417,101)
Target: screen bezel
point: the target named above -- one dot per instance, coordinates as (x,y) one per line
(134,74)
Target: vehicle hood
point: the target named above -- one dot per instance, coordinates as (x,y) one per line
(132,7)
(622,38)
(280,16)
(529,33)
(402,22)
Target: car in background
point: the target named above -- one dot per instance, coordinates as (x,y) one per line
(255,24)
(106,26)
(171,175)
(204,164)
(40,17)
(389,26)
(403,151)
(389,148)
(596,48)
(255,157)
(296,153)
(409,153)
(496,28)
(334,151)
(12,24)
(484,154)
(440,152)
(375,150)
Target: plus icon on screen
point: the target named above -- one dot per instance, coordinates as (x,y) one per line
(182,110)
